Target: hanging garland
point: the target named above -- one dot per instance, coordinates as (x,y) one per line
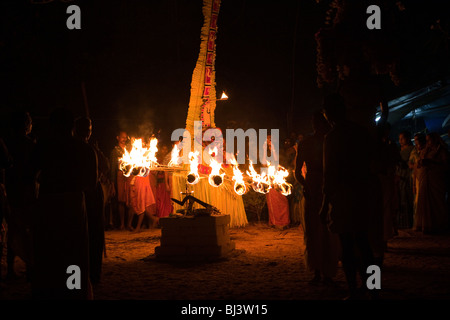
(203,93)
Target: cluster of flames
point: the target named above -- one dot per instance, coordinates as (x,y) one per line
(142,159)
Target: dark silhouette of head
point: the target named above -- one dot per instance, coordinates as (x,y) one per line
(433,139)
(83,128)
(420,140)
(334,108)
(404,138)
(62,122)
(21,123)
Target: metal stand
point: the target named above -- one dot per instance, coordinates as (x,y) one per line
(189,200)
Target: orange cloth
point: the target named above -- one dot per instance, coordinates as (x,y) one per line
(278,206)
(122,187)
(140,195)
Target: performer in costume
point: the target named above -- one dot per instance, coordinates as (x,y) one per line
(224,198)
(140,200)
(201,108)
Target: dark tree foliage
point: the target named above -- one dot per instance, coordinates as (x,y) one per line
(412,45)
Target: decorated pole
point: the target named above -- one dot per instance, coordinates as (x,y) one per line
(203,92)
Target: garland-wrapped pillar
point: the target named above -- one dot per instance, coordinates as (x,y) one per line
(201,108)
(203,92)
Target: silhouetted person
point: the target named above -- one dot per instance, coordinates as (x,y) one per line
(66,169)
(322,247)
(5,163)
(346,170)
(20,189)
(94,205)
(384,191)
(405,189)
(419,144)
(432,169)
(119,181)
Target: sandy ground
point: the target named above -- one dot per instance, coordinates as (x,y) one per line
(267,264)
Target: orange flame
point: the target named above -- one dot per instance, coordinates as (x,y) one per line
(260,183)
(193,177)
(215,177)
(239,184)
(224,96)
(175,157)
(279,180)
(140,159)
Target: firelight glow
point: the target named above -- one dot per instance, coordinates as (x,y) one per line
(279,180)
(140,159)
(175,157)
(260,182)
(193,177)
(224,96)
(239,184)
(215,177)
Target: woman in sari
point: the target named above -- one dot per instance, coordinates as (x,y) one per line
(432,168)
(405,191)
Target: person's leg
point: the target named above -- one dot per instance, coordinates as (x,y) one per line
(316,278)
(349,261)
(139,222)
(130,219)
(121,209)
(366,259)
(109,223)
(151,213)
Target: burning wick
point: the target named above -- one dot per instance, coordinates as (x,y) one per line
(240,188)
(215,180)
(239,185)
(140,171)
(285,189)
(278,177)
(175,157)
(261,187)
(193,177)
(215,177)
(139,160)
(224,96)
(260,183)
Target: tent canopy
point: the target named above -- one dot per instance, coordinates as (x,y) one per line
(426,109)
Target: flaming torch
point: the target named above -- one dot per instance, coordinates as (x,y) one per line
(140,159)
(279,180)
(215,177)
(175,157)
(260,183)
(193,177)
(239,184)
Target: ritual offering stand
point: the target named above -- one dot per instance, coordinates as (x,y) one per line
(196,235)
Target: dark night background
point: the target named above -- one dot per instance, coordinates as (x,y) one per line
(136,60)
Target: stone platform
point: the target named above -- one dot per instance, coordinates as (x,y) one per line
(194,238)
